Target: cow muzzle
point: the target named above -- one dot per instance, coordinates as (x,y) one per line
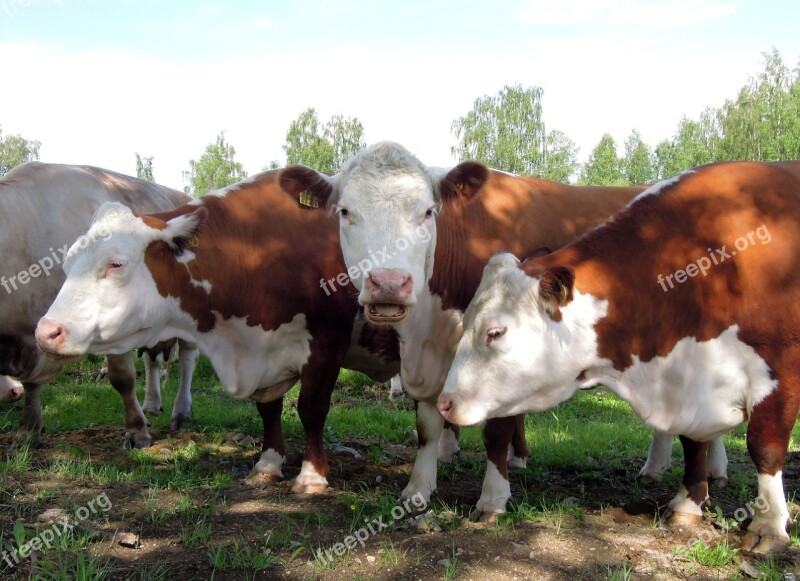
(52,339)
(388,294)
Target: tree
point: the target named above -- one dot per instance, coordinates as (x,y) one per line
(695,143)
(637,165)
(16,150)
(144,168)
(323,147)
(215,169)
(560,157)
(604,167)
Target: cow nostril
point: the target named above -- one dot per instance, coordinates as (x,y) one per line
(445,405)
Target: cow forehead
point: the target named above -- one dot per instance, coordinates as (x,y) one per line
(403,191)
(503,289)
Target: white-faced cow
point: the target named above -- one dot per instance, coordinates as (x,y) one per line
(684,304)
(44,208)
(415,241)
(237,272)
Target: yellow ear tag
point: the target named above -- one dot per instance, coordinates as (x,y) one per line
(564,293)
(308,199)
(191,242)
(460,187)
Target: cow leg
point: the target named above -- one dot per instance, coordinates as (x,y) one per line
(30,422)
(768,434)
(423,476)
(518,452)
(718,462)
(659,457)
(497,436)
(152,382)
(395,387)
(273,449)
(687,506)
(122,375)
(448,442)
(182,408)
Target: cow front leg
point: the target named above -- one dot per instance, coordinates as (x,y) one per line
(122,375)
(768,434)
(497,436)
(518,452)
(30,422)
(423,475)
(718,462)
(659,457)
(269,468)
(182,408)
(687,506)
(152,383)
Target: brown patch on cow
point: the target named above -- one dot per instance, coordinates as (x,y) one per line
(151,222)
(381,341)
(515,214)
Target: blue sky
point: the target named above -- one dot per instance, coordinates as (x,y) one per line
(97,81)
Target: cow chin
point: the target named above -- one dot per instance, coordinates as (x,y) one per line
(385,313)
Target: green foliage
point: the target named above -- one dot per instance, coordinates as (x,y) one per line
(322,147)
(604,167)
(638,167)
(16,150)
(506,132)
(215,169)
(144,168)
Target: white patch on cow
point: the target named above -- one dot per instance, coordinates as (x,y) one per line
(309,476)
(423,475)
(718,462)
(270,463)
(771,513)
(495,492)
(185,258)
(515,461)
(657,188)
(395,387)
(248,359)
(682,504)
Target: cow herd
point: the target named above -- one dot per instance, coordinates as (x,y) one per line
(491,294)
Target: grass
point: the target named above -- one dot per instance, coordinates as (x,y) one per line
(589,437)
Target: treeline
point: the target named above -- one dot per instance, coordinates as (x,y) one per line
(506,131)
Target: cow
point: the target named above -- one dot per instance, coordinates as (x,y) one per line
(43,209)
(415,241)
(10,389)
(684,304)
(236,272)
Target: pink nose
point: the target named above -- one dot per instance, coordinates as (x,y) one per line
(445,404)
(50,335)
(389,284)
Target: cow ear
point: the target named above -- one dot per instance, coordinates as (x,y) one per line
(555,289)
(181,232)
(310,188)
(462,182)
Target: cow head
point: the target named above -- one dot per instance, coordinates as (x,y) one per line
(387,202)
(10,389)
(109,302)
(526,340)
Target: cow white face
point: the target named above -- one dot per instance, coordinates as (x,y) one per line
(387,220)
(525,342)
(109,302)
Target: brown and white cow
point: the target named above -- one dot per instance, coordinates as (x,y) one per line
(684,304)
(236,272)
(44,208)
(415,241)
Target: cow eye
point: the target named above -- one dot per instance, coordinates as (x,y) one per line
(343,212)
(495,333)
(430,213)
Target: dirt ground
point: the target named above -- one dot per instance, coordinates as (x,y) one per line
(606,529)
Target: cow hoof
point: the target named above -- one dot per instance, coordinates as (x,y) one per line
(25,439)
(763,544)
(719,481)
(180,422)
(136,440)
(446,457)
(262,479)
(299,488)
(484,517)
(676,518)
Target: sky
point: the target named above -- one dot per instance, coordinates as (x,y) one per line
(98,81)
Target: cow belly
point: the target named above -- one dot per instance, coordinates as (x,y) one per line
(701,389)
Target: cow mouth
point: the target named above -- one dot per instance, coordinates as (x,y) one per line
(383,313)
